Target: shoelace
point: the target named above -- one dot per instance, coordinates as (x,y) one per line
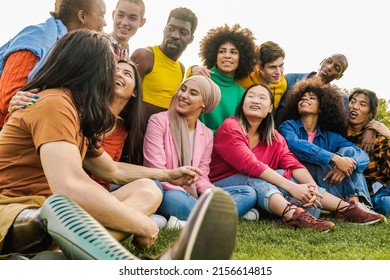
(287,209)
(309,217)
(306,214)
(338,206)
(366,208)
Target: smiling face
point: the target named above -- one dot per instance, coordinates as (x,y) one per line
(124,81)
(127,18)
(309,104)
(189,99)
(257,103)
(272,71)
(228,58)
(359,110)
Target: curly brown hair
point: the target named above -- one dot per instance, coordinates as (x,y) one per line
(331,110)
(242,38)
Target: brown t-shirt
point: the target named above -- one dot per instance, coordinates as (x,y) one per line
(53,118)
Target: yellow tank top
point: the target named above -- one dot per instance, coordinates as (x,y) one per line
(163,81)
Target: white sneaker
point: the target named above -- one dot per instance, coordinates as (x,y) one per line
(252,215)
(175,223)
(367,209)
(159,220)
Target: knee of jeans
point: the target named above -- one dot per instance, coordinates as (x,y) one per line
(246,191)
(249,191)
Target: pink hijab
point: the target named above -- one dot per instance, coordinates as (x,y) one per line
(211,96)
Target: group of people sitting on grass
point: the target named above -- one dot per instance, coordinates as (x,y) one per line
(234,137)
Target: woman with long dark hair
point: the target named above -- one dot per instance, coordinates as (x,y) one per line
(124,141)
(44,148)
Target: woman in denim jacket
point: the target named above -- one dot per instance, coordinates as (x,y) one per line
(314,132)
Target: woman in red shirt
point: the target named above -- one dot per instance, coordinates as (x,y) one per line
(249,151)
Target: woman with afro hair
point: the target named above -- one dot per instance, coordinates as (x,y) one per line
(314,129)
(227,53)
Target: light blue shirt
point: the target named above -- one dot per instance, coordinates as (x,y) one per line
(38,39)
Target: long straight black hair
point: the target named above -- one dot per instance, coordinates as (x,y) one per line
(83,62)
(266,129)
(132,115)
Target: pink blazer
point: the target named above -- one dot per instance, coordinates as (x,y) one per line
(160,152)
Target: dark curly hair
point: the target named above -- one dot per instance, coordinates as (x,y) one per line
(331,108)
(242,38)
(184,14)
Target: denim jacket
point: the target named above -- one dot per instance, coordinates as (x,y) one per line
(323,148)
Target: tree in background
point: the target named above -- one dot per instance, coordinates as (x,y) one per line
(383,114)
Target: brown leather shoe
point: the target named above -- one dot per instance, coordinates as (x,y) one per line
(210,231)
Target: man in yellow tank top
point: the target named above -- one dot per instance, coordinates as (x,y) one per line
(159,68)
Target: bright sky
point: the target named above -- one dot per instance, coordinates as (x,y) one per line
(308,30)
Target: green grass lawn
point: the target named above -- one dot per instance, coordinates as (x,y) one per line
(269,239)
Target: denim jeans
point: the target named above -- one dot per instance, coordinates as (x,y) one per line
(179,203)
(354,185)
(264,190)
(114,187)
(381,201)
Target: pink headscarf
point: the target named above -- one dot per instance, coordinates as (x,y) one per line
(211,96)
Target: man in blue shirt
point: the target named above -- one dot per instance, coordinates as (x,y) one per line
(331,68)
